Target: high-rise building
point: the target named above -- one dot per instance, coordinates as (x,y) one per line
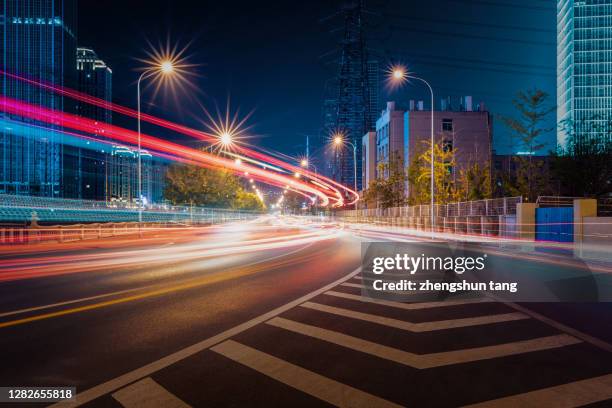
(91,171)
(95,78)
(326,155)
(584,68)
(354,116)
(39,42)
(373,70)
(123,176)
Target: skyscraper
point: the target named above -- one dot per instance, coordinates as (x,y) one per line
(122,175)
(39,42)
(95,78)
(91,166)
(354,104)
(329,120)
(373,71)
(584,67)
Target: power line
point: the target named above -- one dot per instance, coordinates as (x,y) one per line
(471,24)
(411,55)
(503,4)
(473,36)
(472,68)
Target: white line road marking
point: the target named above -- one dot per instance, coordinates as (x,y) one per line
(147,393)
(69,302)
(416,327)
(559,326)
(425,360)
(299,378)
(147,370)
(574,394)
(407,306)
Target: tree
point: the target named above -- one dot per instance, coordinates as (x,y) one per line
(388,190)
(193,185)
(529,127)
(583,167)
(419,176)
(475,183)
(526,177)
(245,200)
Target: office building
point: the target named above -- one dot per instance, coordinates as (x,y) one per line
(389,140)
(467,131)
(329,113)
(95,78)
(91,178)
(584,68)
(357,108)
(374,86)
(39,42)
(123,176)
(403,135)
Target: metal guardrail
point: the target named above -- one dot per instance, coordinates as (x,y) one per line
(604,207)
(556,201)
(24,209)
(68,233)
(488,207)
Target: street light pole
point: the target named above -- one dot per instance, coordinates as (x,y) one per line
(354,164)
(307,165)
(338,141)
(164,67)
(431,193)
(139,150)
(399,74)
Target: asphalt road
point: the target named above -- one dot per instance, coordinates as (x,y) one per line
(271,313)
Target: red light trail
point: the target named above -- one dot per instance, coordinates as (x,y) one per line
(66,120)
(321,188)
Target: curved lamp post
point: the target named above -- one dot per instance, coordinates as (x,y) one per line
(399,74)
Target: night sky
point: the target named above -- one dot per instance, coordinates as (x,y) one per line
(274,57)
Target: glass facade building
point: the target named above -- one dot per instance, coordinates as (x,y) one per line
(584,69)
(91,175)
(38,42)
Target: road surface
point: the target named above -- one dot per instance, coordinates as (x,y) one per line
(271,313)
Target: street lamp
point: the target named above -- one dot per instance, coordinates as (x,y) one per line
(338,141)
(399,75)
(165,67)
(306,164)
(226,139)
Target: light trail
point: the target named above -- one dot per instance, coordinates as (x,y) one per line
(153,144)
(68,264)
(338,197)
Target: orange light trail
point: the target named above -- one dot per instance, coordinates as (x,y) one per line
(77,263)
